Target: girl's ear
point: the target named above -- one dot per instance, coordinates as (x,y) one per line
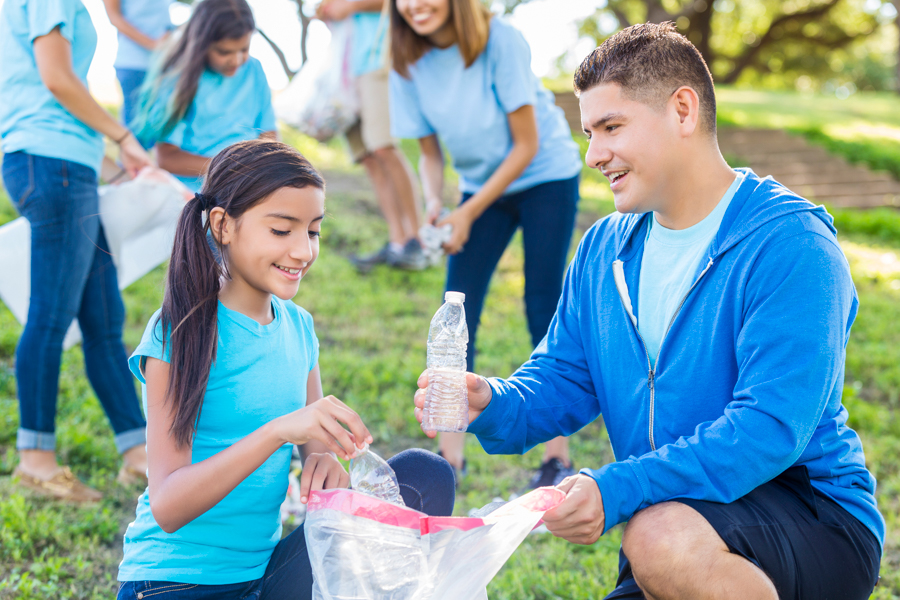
(220,225)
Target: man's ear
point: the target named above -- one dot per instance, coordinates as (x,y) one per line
(220,225)
(686,106)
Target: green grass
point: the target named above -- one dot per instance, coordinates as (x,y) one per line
(372,331)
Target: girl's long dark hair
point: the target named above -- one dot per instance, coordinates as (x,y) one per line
(184,62)
(239,177)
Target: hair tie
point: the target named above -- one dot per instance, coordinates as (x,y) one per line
(206,201)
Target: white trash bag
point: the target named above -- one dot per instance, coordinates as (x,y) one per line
(139,219)
(321,100)
(362,548)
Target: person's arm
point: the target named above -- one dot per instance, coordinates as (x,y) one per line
(181,491)
(338,10)
(431,168)
(790,357)
(524,132)
(114,12)
(180,162)
(53,55)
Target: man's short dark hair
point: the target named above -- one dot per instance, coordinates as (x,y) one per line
(650,61)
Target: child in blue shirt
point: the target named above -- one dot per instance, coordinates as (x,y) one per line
(464,78)
(220,426)
(207,93)
(142,26)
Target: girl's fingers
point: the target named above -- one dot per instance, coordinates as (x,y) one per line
(419,399)
(422,382)
(341,436)
(349,417)
(318,477)
(306,477)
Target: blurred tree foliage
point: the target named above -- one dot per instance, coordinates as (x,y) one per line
(775,43)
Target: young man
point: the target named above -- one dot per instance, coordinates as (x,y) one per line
(706,322)
(370,138)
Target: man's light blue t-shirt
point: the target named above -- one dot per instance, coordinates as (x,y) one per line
(669,267)
(225,110)
(31,119)
(260,373)
(468,107)
(369,38)
(151,17)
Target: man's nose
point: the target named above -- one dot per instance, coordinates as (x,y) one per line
(598,154)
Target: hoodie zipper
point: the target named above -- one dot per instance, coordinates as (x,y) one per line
(651,372)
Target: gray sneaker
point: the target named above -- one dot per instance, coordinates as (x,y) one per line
(364,264)
(411,258)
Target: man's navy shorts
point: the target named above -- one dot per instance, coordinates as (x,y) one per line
(809,546)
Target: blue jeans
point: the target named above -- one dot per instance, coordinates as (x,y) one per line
(131,81)
(426,484)
(72,276)
(546,214)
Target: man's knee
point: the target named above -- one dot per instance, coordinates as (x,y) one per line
(668,536)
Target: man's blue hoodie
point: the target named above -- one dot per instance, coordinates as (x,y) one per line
(749,375)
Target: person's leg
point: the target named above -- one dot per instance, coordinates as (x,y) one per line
(675,553)
(101,317)
(427,483)
(547,213)
(384,193)
(398,173)
(60,201)
(171,590)
(452,447)
(782,540)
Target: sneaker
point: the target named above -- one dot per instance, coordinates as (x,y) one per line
(550,473)
(411,258)
(63,486)
(364,264)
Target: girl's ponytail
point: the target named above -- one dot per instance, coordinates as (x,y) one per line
(189,313)
(239,177)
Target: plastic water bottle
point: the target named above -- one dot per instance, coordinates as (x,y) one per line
(447,399)
(371,475)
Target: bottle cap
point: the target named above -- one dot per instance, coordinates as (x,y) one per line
(454,297)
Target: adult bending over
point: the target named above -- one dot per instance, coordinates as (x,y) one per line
(52,132)
(707,323)
(464,78)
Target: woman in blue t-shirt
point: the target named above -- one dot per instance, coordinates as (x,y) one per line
(207,93)
(142,26)
(53,132)
(464,78)
(220,426)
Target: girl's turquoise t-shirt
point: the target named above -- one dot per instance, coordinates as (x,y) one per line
(225,110)
(31,119)
(260,373)
(467,108)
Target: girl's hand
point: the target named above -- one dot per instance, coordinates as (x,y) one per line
(321,421)
(461,222)
(322,472)
(133,156)
(479,394)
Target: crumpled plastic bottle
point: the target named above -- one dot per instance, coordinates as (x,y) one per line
(371,475)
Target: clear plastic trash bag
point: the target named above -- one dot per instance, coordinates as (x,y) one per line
(362,548)
(321,100)
(139,219)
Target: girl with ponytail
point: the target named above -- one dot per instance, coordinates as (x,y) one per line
(230,374)
(205,92)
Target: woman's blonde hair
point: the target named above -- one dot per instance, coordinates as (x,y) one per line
(470,18)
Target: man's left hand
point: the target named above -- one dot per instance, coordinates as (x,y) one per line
(580,518)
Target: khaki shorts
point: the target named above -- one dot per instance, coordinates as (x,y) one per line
(373,129)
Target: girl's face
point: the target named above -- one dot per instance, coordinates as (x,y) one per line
(226,56)
(425,17)
(272,245)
